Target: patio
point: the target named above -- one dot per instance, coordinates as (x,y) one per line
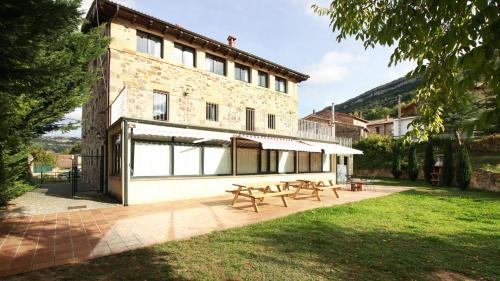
(40,241)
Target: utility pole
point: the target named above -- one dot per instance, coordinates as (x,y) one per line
(399,115)
(333,119)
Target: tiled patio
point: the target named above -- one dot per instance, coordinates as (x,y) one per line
(40,241)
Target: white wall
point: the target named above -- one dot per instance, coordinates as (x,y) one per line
(405,122)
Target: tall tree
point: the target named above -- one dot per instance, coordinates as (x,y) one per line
(464,169)
(429,161)
(396,159)
(454,44)
(412,163)
(43,74)
(448,163)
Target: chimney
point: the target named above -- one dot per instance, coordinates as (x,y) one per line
(231,41)
(314,111)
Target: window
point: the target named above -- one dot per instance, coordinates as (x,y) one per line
(316,160)
(117,155)
(212,112)
(151,159)
(271,121)
(184,54)
(250,125)
(338,160)
(346,160)
(241,72)
(263,79)
(280,84)
(215,64)
(149,44)
(377,129)
(304,162)
(160,106)
(247,160)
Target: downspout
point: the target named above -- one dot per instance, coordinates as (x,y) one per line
(333,121)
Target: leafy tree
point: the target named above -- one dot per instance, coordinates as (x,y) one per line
(429,161)
(76,148)
(454,44)
(412,162)
(43,157)
(464,169)
(448,166)
(396,159)
(43,74)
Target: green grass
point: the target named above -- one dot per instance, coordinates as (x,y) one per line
(405,236)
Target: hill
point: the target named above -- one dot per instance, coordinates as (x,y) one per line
(57,144)
(384,96)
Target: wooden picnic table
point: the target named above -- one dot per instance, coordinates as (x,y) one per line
(321,185)
(264,190)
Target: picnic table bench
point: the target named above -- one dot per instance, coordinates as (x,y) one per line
(264,190)
(317,185)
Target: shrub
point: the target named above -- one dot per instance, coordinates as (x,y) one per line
(377,152)
(396,159)
(464,169)
(448,170)
(429,161)
(412,163)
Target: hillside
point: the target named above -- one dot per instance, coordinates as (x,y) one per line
(57,144)
(382,96)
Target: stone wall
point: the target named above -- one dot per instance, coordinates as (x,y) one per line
(191,88)
(482,179)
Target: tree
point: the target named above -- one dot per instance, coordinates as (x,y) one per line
(76,148)
(412,162)
(454,44)
(464,169)
(448,170)
(429,161)
(396,159)
(44,74)
(43,157)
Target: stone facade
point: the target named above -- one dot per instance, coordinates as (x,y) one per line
(346,125)
(482,179)
(189,88)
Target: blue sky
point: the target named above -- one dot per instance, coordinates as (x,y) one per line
(286,32)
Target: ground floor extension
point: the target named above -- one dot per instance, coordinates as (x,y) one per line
(150,161)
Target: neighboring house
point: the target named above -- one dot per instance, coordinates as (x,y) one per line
(381,126)
(178,115)
(402,125)
(346,125)
(64,163)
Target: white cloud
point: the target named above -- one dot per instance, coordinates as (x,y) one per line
(75,114)
(333,67)
(400,70)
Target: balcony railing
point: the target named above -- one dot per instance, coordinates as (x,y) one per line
(320,131)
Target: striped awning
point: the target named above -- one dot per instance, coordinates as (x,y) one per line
(148,130)
(331,148)
(281,143)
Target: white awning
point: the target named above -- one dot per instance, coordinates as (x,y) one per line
(281,143)
(146,130)
(331,148)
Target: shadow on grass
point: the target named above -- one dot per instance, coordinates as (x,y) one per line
(396,237)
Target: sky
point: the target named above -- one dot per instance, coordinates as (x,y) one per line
(286,32)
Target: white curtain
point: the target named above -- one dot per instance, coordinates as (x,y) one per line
(286,162)
(326,162)
(187,160)
(247,162)
(272,161)
(151,159)
(217,161)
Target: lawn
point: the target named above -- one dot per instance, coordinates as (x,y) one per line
(418,234)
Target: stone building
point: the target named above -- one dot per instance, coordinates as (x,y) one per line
(178,115)
(381,126)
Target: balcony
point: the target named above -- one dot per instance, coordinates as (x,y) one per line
(320,131)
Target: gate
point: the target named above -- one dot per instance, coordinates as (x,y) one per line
(87,176)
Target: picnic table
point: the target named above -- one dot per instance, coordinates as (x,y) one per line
(260,191)
(318,185)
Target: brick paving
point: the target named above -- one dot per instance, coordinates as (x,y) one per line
(40,241)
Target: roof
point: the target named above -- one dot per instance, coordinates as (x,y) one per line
(108,10)
(326,115)
(380,121)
